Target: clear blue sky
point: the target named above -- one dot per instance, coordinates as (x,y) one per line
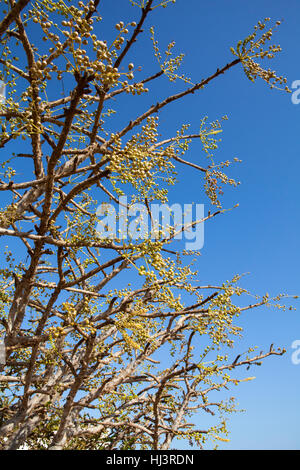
(261,237)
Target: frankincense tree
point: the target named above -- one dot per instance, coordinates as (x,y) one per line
(102,333)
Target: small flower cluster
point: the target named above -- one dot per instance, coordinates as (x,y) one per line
(254,47)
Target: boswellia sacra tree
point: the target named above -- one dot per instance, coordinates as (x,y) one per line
(110,341)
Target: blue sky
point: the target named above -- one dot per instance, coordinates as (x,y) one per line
(261,236)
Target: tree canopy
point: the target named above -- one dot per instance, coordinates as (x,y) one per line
(111,341)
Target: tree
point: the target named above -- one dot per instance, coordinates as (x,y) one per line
(101,343)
